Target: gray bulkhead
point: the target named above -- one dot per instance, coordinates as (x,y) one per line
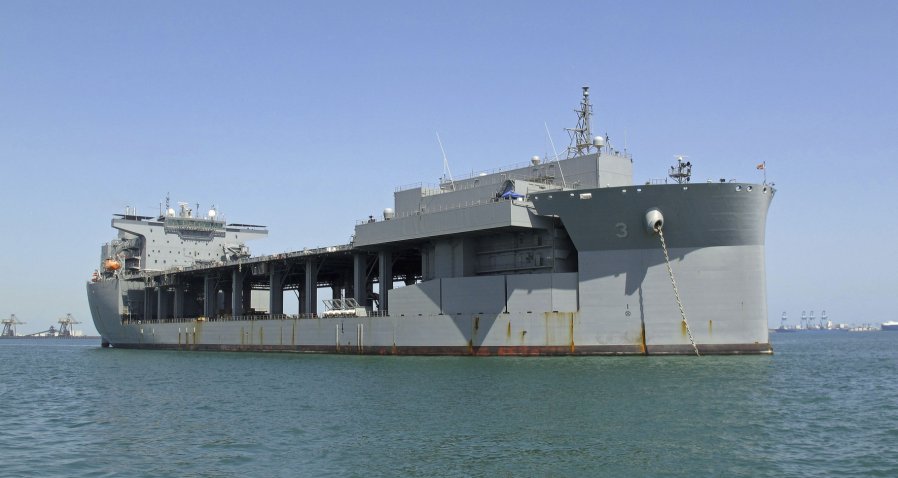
(161,246)
(484,254)
(167,243)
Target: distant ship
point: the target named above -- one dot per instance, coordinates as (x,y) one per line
(890,325)
(553,257)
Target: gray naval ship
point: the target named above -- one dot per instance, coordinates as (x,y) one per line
(553,257)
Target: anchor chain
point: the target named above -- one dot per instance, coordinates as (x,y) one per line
(673,282)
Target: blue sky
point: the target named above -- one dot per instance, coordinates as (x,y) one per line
(305,116)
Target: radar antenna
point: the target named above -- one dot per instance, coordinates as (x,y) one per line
(682,172)
(582,141)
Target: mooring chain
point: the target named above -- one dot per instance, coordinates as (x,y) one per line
(673,282)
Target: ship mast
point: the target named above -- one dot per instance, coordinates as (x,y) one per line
(682,172)
(582,141)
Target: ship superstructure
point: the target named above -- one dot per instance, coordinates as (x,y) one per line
(561,256)
(173,240)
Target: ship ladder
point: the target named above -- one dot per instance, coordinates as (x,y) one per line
(673,282)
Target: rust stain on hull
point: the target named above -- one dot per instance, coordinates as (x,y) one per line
(573,347)
(642,340)
(198,331)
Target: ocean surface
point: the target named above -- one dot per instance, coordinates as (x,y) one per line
(826,404)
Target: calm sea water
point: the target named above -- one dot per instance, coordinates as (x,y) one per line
(824,404)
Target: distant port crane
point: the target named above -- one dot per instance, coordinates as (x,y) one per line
(65,326)
(9,326)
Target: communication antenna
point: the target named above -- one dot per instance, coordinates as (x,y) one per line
(163,212)
(563,184)
(446,170)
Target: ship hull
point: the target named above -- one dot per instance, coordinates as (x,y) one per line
(505,334)
(724,317)
(620,301)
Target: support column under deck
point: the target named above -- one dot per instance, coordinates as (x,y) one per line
(149,303)
(225,305)
(178,306)
(310,304)
(385,278)
(210,296)
(247,296)
(237,301)
(162,303)
(359,271)
(276,291)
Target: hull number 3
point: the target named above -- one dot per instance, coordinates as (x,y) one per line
(621,230)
